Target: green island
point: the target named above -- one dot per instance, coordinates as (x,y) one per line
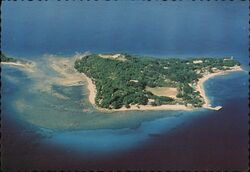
(124,80)
(130,82)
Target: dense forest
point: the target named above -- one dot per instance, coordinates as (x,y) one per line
(123,82)
(5,58)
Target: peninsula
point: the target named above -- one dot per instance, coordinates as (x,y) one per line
(121,82)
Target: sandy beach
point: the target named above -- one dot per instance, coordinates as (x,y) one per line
(13,64)
(92,90)
(29,67)
(200,87)
(200,84)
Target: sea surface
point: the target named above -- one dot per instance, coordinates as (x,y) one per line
(43,132)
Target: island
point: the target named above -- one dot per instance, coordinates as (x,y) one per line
(124,82)
(121,82)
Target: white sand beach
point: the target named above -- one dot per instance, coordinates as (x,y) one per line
(29,67)
(200,84)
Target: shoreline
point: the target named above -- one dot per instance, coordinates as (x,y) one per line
(199,87)
(13,64)
(25,66)
(92,90)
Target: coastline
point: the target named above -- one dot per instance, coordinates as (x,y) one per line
(13,63)
(200,87)
(201,82)
(92,90)
(28,67)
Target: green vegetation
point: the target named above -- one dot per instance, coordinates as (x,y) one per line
(122,83)
(5,58)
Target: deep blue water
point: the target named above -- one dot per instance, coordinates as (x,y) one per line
(141,140)
(157,28)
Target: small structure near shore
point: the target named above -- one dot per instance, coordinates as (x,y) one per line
(214,108)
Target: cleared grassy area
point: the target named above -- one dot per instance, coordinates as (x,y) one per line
(163,91)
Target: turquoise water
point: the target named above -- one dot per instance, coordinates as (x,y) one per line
(55,128)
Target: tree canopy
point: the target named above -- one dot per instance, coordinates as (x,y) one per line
(122,83)
(5,58)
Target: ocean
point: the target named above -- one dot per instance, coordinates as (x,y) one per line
(42,132)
